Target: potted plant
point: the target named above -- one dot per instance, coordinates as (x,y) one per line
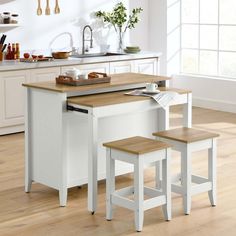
(120,20)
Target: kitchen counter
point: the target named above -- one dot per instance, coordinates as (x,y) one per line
(16,65)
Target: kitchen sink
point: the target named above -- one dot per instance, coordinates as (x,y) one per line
(97,55)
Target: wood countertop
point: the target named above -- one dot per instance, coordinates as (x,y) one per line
(106,99)
(117,80)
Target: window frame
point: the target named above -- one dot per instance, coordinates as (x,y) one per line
(199,49)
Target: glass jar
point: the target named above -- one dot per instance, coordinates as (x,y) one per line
(14,18)
(6,17)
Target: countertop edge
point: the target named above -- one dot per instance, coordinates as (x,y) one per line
(16,65)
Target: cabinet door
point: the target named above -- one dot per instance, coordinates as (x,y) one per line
(44,74)
(146,66)
(121,67)
(87,68)
(12,97)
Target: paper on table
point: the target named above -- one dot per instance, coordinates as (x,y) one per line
(163,98)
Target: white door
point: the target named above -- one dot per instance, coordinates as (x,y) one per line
(12,97)
(146,66)
(87,68)
(44,74)
(121,67)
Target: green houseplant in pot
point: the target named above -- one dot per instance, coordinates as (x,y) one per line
(120,20)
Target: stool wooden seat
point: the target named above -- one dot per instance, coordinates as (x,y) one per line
(188,140)
(186,135)
(138,151)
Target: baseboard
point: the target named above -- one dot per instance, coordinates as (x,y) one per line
(11,129)
(215,105)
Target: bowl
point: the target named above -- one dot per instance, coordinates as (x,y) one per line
(61,55)
(132,48)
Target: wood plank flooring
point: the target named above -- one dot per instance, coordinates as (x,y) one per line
(37,213)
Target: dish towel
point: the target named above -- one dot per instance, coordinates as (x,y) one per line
(162,98)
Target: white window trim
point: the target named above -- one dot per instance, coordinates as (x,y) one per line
(218,51)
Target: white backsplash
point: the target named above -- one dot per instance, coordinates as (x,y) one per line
(37,32)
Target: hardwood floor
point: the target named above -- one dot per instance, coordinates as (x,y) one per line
(37,213)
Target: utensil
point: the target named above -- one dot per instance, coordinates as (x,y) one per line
(3,38)
(39,10)
(57,8)
(47,10)
(4,47)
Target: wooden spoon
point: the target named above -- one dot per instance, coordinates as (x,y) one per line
(47,10)
(39,10)
(57,8)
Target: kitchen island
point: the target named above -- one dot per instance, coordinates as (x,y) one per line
(66,126)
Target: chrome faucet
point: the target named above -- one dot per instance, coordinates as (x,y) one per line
(90,40)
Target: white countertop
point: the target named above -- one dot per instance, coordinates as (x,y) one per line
(16,65)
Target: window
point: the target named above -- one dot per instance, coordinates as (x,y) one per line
(208,37)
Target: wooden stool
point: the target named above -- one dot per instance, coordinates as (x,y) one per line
(138,151)
(188,140)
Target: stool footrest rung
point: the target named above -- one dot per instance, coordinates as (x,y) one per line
(177,189)
(154,202)
(152,192)
(122,201)
(125,191)
(201,188)
(199,179)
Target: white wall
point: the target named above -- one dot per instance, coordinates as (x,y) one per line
(217,94)
(164,33)
(140,35)
(37,32)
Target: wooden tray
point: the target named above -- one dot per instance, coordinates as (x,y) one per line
(32,60)
(93,78)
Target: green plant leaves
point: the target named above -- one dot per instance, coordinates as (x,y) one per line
(118,17)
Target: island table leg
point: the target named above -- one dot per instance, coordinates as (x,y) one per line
(187,112)
(28,175)
(163,124)
(92,162)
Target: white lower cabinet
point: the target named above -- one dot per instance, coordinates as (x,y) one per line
(12,98)
(44,74)
(121,67)
(146,66)
(87,68)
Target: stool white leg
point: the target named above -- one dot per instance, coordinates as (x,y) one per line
(138,193)
(212,172)
(158,170)
(166,185)
(186,178)
(110,183)
(158,167)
